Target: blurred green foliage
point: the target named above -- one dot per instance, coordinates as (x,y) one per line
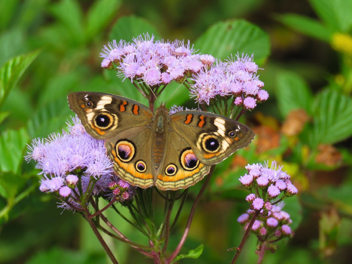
(51,48)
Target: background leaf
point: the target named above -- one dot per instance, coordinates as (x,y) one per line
(335,13)
(99,16)
(232,37)
(129,27)
(12,145)
(332,118)
(292,93)
(306,25)
(12,71)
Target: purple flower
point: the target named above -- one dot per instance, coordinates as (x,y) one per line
(272,222)
(277,233)
(238,101)
(273,191)
(258,203)
(263,231)
(256,225)
(286,230)
(255,173)
(71,180)
(281,185)
(291,190)
(65,191)
(262,95)
(268,206)
(51,185)
(123,184)
(250,197)
(63,153)
(246,180)
(249,103)
(262,181)
(243,218)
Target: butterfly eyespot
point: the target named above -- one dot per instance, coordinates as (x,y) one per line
(125,150)
(231,134)
(189,160)
(89,104)
(170,170)
(210,144)
(141,166)
(103,121)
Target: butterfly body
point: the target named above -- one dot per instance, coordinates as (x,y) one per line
(148,149)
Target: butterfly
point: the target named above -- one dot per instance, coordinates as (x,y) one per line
(148,148)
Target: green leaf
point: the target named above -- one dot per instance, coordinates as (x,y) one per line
(335,13)
(129,27)
(12,146)
(232,37)
(292,93)
(12,71)
(50,118)
(3,116)
(305,25)
(99,15)
(69,13)
(332,118)
(10,184)
(194,253)
(7,9)
(294,208)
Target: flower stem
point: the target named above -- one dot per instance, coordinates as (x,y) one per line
(244,239)
(261,253)
(190,218)
(100,238)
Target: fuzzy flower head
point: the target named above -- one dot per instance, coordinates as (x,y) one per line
(154,62)
(63,153)
(237,77)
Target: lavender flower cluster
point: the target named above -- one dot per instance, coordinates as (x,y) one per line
(154,62)
(270,185)
(75,165)
(236,78)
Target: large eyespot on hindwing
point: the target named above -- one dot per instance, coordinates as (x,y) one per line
(140,166)
(189,160)
(125,150)
(210,143)
(170,169)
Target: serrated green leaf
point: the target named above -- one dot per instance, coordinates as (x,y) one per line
(194,253)
(293,93)
(50,118)
(99,15)
(335,13)
(12,146)
(306,25)
(69,13)
(129,27)
(12,71)
(232,37)
(332,118)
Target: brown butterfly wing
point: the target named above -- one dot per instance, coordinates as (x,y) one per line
(212,137)
(105,115)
